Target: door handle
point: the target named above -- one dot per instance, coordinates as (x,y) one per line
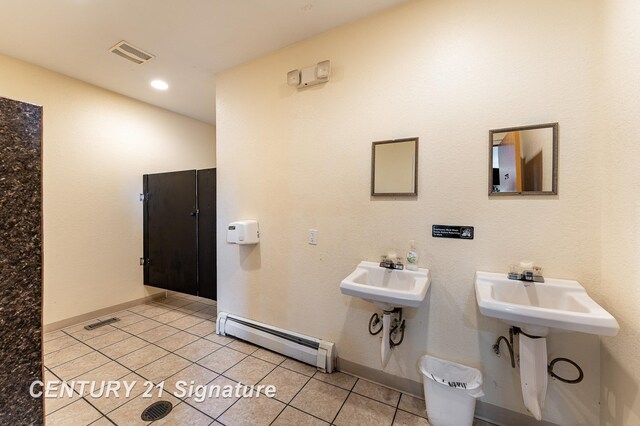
(194,213)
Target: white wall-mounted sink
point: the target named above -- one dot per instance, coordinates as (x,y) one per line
(540,308)
(387,288)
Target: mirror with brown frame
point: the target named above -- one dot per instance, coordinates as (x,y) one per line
(524,160)
(394,167)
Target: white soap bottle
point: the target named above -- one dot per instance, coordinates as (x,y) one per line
(412,256)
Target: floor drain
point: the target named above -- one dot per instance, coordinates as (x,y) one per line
(156,411)
(101,323)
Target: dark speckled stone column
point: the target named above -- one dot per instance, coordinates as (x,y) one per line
(20,261)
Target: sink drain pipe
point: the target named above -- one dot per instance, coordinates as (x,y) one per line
(385,348)
(390,323)
(398,326)
(515,331)
(373,324)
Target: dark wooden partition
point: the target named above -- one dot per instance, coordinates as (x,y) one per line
(180,231)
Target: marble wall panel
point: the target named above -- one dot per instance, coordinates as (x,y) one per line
(20,261)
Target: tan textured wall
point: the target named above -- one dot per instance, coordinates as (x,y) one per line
(447,72)
(96,147)
(620,180)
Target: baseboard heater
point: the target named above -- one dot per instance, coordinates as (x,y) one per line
(309,350)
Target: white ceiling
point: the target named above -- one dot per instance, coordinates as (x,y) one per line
(192,40)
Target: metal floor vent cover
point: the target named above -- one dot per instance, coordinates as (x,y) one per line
(101,323)
(156,411)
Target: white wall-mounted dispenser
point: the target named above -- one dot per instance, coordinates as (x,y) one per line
(243,232)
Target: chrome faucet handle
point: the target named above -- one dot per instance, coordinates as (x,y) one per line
(537,274)
(398,264)
(515,272)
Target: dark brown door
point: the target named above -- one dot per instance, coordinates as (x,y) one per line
(207,233)
(180,231)
(170,243)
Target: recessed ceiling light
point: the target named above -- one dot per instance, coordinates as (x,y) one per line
(159,85)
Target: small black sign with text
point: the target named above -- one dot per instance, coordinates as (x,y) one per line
(452,231)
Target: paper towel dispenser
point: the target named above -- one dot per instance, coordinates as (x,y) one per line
(243,232)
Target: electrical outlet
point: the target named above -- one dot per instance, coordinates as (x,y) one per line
(313,237)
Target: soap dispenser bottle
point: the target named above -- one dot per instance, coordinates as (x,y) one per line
(412,257)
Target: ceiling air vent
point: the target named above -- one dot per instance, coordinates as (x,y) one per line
(134,54)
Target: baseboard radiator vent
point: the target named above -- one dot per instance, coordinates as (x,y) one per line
(309,350)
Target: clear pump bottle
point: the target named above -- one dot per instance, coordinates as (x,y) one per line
(412,257)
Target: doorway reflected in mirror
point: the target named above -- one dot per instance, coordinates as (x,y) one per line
(524,160)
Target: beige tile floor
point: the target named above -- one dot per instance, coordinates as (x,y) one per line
(174,340)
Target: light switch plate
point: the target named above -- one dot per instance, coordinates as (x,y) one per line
(313,237)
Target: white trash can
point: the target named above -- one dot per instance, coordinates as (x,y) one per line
(450,391)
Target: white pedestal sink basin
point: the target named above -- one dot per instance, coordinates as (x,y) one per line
(539,309)
(387,288)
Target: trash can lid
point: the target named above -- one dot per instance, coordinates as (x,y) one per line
(450,373)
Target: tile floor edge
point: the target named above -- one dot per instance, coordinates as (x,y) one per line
(58,325)
(503,416)
(400,384)
(484,410)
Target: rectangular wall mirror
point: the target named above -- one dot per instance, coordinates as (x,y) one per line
(394,167)
(524,160)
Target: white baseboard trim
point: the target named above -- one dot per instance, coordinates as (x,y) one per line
(484,411)
(105,311)
(505,417)
(378,376)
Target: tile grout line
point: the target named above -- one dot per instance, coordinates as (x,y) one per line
(81,397)
(74,391)
(172,352)
(211,381)
(169,352)
(228,378)
(270,371)
(125,331)
(395,413)
(223,375)
(164,356)
(288,404)
(122,365)
(169,308)
(147,341)
(345,401)
(195,363)
(115,360)
(191,363)
(284,407)
(250,355)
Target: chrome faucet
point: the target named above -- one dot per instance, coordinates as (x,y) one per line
(387,263)
(528,275)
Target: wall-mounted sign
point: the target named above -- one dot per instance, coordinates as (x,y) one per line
(452,231)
